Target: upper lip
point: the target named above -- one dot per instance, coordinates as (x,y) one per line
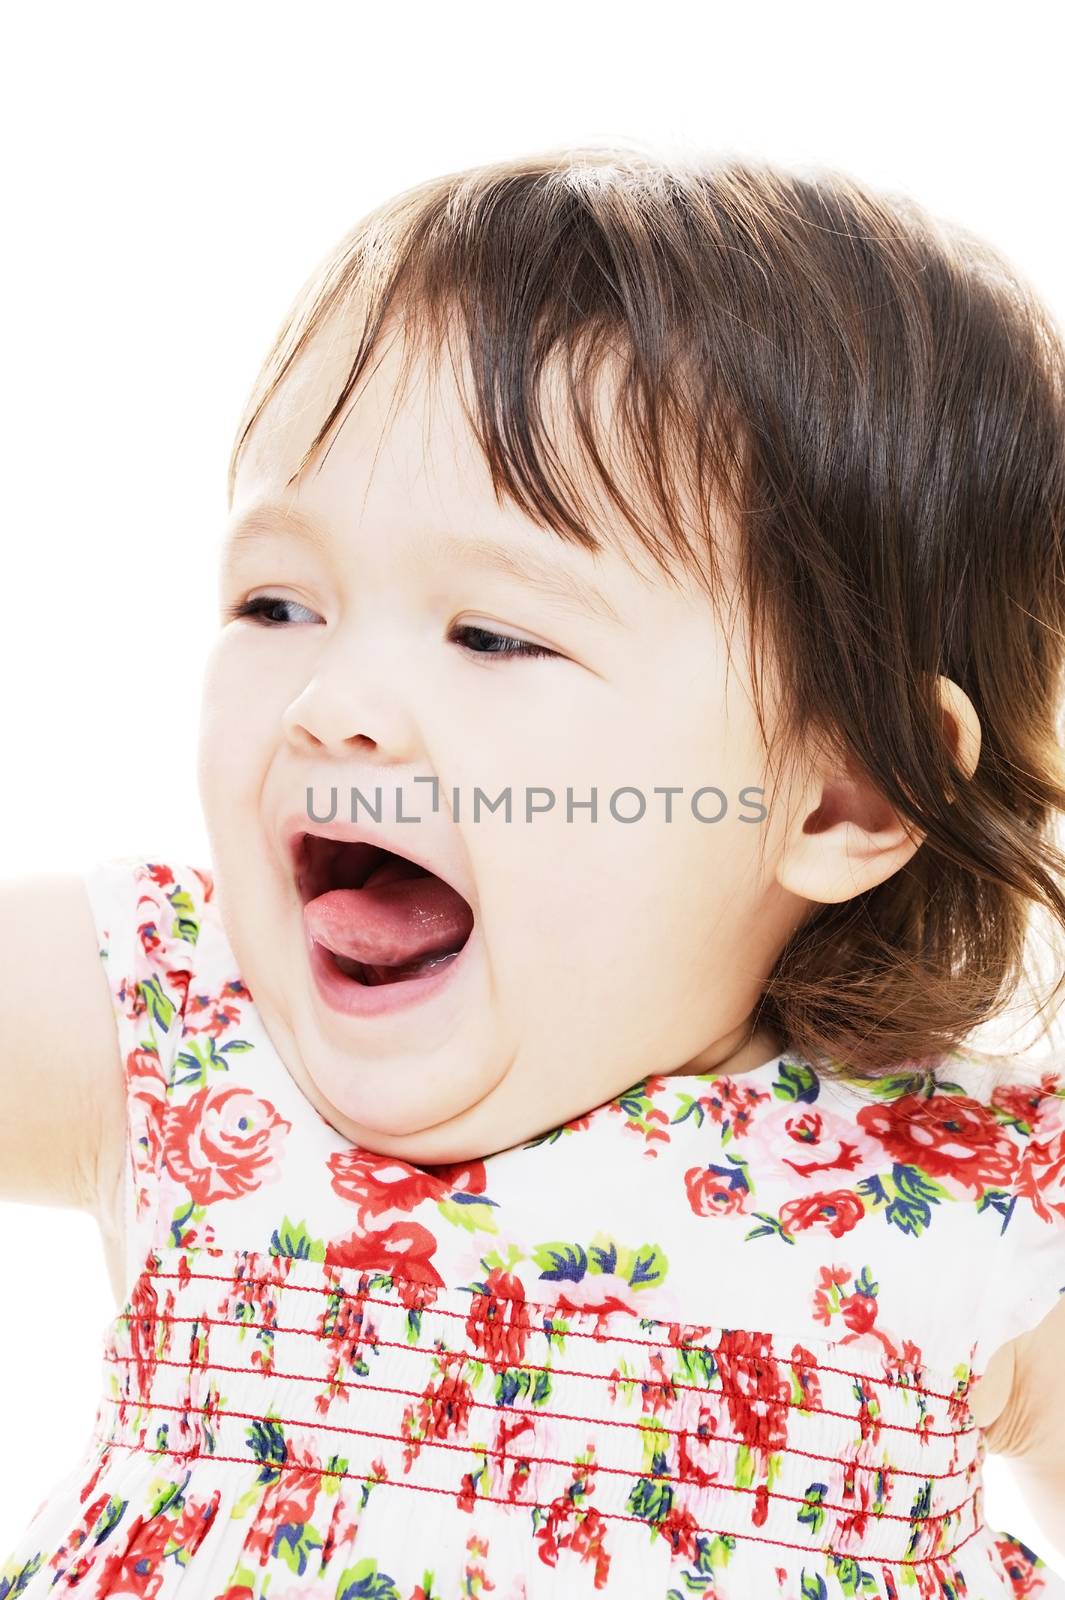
(397,840)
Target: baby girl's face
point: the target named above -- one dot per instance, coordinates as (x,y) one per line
(600,951)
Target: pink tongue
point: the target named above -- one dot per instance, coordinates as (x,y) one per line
(399,915)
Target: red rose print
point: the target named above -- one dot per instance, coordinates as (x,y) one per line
(459,1177)
(497,1322)
(224,1143)
(146,1143)
(138,1570)
(177,984)
(837,1212)
(209,1014)
(859,1311)
(713,1191)
(145,1064)
(1041,1180)
(442,1413)
(810,1141)
(379,1184)
(148,934)
(946,1136)
(406,1245)
(680,1528)
(1021,1101)
(757,1390)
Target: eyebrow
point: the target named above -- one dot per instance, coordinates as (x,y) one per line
(541,574)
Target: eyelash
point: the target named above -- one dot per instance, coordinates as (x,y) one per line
(506,645)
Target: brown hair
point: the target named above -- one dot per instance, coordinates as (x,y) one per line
(878,401)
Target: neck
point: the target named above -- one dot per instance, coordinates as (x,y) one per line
(739,1051)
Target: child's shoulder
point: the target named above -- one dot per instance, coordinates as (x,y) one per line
(164,901)
(1006,1116)
(1024,1094)
(149,916)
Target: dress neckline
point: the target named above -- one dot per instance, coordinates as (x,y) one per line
(661,1083)
(678,1091)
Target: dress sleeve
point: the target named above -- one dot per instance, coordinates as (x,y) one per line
(147,916)
(1025,1269)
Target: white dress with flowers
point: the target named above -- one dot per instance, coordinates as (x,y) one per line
(713,1338)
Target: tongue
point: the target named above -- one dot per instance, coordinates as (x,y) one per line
(400,914)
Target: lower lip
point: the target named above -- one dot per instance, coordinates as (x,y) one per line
(356,999)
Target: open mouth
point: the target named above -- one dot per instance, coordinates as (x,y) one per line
(378,917)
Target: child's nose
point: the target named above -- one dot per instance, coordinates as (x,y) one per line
(352,709)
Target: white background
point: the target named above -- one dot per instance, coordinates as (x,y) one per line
(172,173)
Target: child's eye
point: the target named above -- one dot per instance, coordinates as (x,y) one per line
(499,644)
(260,605)
(484,641)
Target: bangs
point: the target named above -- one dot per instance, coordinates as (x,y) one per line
(571,354)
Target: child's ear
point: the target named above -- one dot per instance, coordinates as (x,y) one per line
(846,836)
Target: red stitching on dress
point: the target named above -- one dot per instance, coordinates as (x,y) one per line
(523,1366)
(557,1416)
(616,1516)
(536,1461)
(575,1333)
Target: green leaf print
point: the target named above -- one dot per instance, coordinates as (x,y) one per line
(493,1259)
(365,1582)
(998,1201)
(518,1383)
(743,1476)
(812,1510)
(159,1004)
(561,1261)
(603,1256)
(796,1081)
(167,1491)
(109,1518)
(651,1501)
(183,1224)
(769,1225)
(696,1368)
(853,1579)
(292,1239)
(909,1194)
(15,1580)
(185,924)
(555,1331)
(333,1473)
(712,1555)
(200,1059)
(640,1267)
(654,1446)
(643,1267)
(266,1441)
(294,1542)
(813,1586)
(475,1216)
(692,1109)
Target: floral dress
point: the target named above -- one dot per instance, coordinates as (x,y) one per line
(712,1338)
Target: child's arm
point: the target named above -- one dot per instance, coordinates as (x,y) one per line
(62,1097)
(1031,1428)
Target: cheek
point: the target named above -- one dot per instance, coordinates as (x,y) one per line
(237,723)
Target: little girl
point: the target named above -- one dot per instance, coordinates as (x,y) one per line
(541,1155)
